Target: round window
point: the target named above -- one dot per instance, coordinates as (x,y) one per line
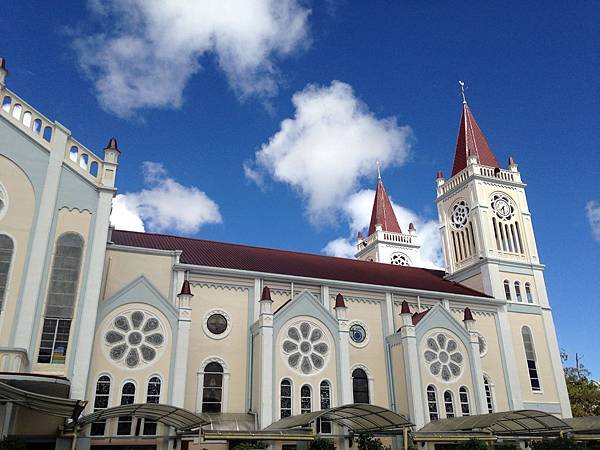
(216,324)
(358,333)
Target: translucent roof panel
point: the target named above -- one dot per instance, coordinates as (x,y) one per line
(357,416)
(179,418)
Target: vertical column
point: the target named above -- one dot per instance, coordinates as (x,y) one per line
(265,326)
(183,341)
(414,387)
(511,376)
(26,310)
(88,302)
(344,359)
(476,368)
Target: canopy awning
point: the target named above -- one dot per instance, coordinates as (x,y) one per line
(585,428)
(264,435)
(356,416)
(229,422)
(509,423)
(53,406)
(178,418)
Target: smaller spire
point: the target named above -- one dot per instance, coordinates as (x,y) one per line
(383,212)
(266,294)
(511,161)
(468,315)
(339,301)
(2,62)
(378,170)
(440,175)
(411,227)
(112,144)
(360,236)
(405,309)
(185,289)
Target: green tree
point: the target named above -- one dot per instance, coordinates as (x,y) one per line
(322,444)
(366,441)
(584,393)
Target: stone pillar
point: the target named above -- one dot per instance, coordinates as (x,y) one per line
(513,385)
(345,381)
(265,329)
(183,340)
(476,367)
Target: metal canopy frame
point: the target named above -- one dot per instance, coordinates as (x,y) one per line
(53,406)
(357,416)
(178,418)
(509,423)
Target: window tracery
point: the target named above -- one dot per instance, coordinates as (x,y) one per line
(305,348)
(443,357)
(400,259)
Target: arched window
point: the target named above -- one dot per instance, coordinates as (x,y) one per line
(432,403)
(125,423)
(534,379)
(47,134)
(285,394)
(488,394)
(6,252)
(62,292)
(518,291)
(449,404)
(101,402)
(37,126)
(305,399)
(463,396)
(528,293)
(83,161)
(360,386)
(324,426)
(152,396)
(27,119)
(73,153)
(507,290)
(17,111)
(6,101)
(94,169)
(212,390)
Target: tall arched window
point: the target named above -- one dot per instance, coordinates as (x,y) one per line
(62,293)
(152,396)
(534,379)
(449,404)
(507,290)
(125,423)
(463,396)
(305,399)
(528,293)
(6,252)
(360,386)
(324,426)
(518,291)
(101,402)
(488,394)
(285,394)
(212,390)
(432,403)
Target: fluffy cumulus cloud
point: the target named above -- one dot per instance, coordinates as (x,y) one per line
(593,214)
(330,145)
(357,211)
(163,205)
(149,49)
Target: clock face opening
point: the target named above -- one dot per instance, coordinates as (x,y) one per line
(503,207)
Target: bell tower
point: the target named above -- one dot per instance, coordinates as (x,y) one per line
(485,221)
(385,241)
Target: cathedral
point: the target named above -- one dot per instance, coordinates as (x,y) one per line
(129,340)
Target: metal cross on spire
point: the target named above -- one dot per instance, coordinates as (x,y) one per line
(378,170)
(462,91)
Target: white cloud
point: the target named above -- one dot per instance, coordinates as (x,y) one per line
(593,214)
(163,205)
(330,145)
(151,48)
(357,211)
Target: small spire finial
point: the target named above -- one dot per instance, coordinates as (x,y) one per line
(378,170)
(462,91)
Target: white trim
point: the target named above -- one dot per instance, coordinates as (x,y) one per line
(4,199)
(210,334)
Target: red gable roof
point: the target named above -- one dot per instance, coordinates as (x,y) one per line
(471,141)
(383,213)
(242,257)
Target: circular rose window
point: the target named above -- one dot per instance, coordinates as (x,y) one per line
(304,348)
(134,338)
(443,357)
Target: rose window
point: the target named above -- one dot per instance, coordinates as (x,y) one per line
(443,357)
(400,259)
(305,348)
(460,214)
(134,338)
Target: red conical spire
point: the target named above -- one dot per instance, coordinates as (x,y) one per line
(471,141)
(383,213)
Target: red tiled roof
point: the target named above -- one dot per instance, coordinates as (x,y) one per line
(416,318)
(471,141)
(242,257)
(383,213)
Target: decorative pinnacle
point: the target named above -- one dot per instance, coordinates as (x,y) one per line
(266,294)
(462,91)
(185,289)
(339,301)
(378,170)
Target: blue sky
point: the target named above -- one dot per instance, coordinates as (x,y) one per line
(228,104)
